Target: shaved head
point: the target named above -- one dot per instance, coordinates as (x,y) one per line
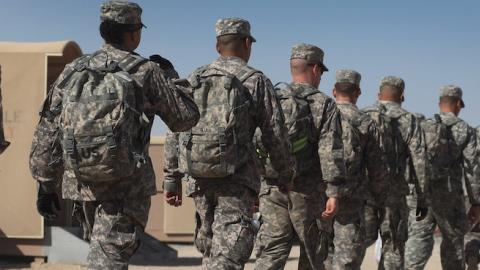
(299,66)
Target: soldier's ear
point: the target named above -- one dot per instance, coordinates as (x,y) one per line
(334,92)
(217,47)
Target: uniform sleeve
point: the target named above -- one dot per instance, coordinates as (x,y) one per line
(269,118)
(376,161)
(330,149)
(172,103)
(172,175)
(471,162)
(417,153)
(46,161)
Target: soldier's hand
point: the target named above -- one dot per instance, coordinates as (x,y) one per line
(331,208)
(474,214)
(174,199)
(48,204)
(421,213)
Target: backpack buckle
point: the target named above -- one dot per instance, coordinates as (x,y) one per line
(187,138)
(228,82)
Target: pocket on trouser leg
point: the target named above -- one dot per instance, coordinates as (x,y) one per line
(201,240)
(259,246)
(236,240)
(121,241)
(402,231)
(324,240)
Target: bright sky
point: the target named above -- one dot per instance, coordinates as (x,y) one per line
(427,43)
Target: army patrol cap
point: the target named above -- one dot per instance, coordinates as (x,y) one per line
(394,81)
(233,26)
(311,53)
(452,91)
(348,76)
(122,12)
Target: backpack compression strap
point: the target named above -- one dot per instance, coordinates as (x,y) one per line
(245,73)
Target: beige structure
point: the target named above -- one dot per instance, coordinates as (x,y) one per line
(27,71)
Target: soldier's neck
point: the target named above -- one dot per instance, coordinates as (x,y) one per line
(345,100)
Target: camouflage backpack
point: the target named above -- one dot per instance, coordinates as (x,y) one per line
(437,136)
(299,122)
(353,151)
(221,141)
(101,127)
(388,137)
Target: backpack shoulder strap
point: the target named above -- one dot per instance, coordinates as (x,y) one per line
(308,92)
(131,61)
(79,65)
(245,73)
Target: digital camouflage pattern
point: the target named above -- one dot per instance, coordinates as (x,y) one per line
(472,238)
(447,207)
(363,156)
(287,216)
(224,233)
(115,233)
(298,213)
(3,143)
(295,102)
(122,12)
(219,144)
(406,156)
(160,98)
(101,127)
(233,26)
(394,81)
(348,76)
(451,91)
(114,236)
(310,53)
(233,196)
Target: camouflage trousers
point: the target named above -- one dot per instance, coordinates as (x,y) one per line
(113,229)
(391,221)
(285,216)
(472,249)
(448,212)
(349,236)
(224,233)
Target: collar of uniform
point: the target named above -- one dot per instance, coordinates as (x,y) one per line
(344,102)
(304,84)
(232,58)
(448,114)
(389,103)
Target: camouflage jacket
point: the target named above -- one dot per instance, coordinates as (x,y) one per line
(266,114)
(365,155)
(3,143)
(408,155)
(463,150)
(159,97)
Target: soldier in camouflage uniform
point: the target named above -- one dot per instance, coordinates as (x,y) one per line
(3,143)
(320,171)
(447,207)
(405,149)
(224,233)
(363,155)
(113,214)
(472,238)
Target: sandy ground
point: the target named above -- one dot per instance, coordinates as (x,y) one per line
(188,258)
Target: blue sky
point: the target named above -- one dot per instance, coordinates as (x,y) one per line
(427,43)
